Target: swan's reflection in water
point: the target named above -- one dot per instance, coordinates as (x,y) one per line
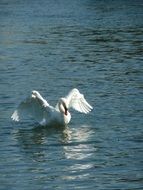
(39,143)
(80,151)
(69,151)
(81,146)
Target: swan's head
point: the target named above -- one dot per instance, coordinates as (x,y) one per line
(63,106)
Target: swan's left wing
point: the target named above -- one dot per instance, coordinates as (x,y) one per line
(34,106)
(77,101)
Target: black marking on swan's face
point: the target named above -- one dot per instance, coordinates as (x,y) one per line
(63,107)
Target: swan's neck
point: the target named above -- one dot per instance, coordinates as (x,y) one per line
(67,117)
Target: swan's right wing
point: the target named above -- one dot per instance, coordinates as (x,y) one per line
(34,106)
(77,101)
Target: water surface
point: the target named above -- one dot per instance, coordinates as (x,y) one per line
(53,46)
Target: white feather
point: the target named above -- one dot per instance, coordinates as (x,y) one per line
(37,107)
(77,101)
(34,106)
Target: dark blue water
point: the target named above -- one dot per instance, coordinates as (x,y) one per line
(54,46)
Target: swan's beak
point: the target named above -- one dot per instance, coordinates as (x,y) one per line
(66,111)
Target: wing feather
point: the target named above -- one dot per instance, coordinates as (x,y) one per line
(34,106)
(77,101)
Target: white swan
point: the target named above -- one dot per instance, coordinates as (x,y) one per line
(37,107)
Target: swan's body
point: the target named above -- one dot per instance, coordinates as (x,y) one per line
(37,107)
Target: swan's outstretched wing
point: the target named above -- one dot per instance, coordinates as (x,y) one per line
(34,106)
(77,101)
